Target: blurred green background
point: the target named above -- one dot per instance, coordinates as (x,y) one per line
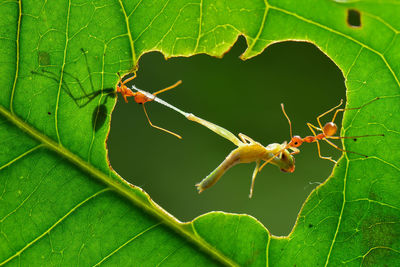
(241,96)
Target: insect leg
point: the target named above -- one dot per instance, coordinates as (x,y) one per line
(253,179)
(245,138)
(215,128)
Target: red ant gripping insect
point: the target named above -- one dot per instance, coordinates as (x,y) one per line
(142,97)
(328,132)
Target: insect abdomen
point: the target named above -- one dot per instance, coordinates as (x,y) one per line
(231,160)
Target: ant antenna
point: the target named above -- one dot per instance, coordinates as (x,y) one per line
(287,117)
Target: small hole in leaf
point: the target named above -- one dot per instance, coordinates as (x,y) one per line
(354,18)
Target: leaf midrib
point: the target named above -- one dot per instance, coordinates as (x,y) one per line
(121,187)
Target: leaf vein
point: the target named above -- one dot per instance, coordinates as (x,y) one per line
(127,243)
(169,255)
(17,39)
(54,225)
(343,35)
(62,73)
(341,212)
(128,29)
(200,25)
(20,156)
(262,26)
(152,21)
(374,201)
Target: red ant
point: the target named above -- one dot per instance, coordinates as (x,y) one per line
(142,97)
(328,132)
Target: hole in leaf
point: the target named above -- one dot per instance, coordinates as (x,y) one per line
(354,18)
(241,96)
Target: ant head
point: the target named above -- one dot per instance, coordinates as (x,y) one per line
(296,141)
(123,89)
(330,129)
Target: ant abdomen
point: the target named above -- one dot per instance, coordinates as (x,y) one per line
(330,128)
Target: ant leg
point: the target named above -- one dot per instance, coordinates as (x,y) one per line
(344,109)
(157,127)
(123,89)
(279,154)
(168,88)
(294,151)
(323,114)
(245,138)
(127,80)
(253,179)
(322,157)
(310,126)
(315,127)
(341,149)
(351,137)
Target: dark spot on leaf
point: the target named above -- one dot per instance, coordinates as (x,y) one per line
(44,58)
(49,113)
(353,18)
(99,117)
(372,196)
(355,139)
(310,226)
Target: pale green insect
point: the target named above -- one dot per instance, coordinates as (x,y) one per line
(247,150)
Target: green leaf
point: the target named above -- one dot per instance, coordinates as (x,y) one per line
(62,204)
